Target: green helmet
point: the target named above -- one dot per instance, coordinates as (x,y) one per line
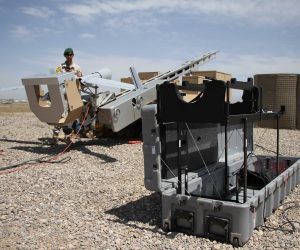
(68,51)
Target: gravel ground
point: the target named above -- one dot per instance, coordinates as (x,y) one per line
(97,199)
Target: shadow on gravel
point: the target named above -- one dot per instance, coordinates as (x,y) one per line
(103,157)
(104,142)
(146,210)
(19,141)
(43,148)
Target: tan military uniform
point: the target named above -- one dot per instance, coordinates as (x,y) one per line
(69,68)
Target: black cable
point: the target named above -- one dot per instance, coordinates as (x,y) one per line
(35,161)
(261,136)
(31,161)
(63,160)
(266,149)
(288,221)
(261,177)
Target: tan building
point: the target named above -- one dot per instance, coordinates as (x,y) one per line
(280,89)
(213,74)
(198,77)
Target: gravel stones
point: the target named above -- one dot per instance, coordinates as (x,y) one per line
(97,199)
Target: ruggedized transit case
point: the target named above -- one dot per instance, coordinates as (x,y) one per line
(199,155)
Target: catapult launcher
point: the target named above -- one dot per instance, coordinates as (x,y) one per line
(199,155)
(110,104)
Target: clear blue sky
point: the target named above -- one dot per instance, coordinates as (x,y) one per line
(253,36)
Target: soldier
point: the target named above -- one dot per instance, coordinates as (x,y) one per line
(68,65)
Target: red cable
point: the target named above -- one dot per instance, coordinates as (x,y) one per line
(54,157)
(135,142)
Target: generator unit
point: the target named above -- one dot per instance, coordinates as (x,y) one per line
(199,155)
